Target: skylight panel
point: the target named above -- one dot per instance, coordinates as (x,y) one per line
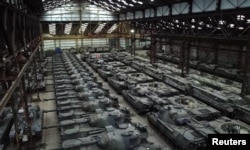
(114,26)
(83,28)
(67,28)
(100,27)
(52,28)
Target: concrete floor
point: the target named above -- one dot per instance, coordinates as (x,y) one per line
(51,136)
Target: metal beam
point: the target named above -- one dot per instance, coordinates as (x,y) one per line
(15,83)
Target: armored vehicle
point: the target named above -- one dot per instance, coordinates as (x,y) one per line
(6,121)
(97,64)
(105,71)
(121,137)
(136,96)
(118,81)
(123,69)
(177,82)
(140,65)
(224,125)
(227,102)
(36,120)
(128,60)
(160,88)
(195,108)
(176,124)
(134,78)
(157,73)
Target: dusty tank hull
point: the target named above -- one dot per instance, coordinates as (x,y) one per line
(182,136)
(36,115)
(6,124)
(141,105)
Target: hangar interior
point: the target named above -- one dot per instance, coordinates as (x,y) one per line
(123,74)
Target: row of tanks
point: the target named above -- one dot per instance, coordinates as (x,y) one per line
(223,94)
(224,70)
(89,116)
(164,97)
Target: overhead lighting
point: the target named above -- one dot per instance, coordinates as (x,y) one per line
(132,31)
(231,25)
(222,22)
(240,17)
(240,28)
(208,25)
(52,28)
(100,27)
(83,28)
(67,28)
(114,26)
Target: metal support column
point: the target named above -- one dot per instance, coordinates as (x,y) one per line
(182,58)
(216,51)
(132,36)
(246,82)
(153,49)
(187,56)
(26,111)
(36,79)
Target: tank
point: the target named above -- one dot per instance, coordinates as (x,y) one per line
(66,94)
(128,60)
(137,98)
(94,92)
(140,65)
(80,75)
(154,72)
(228,72)
(91,59)
(195,108)
(105,71)
(6,121)
(120,56)
(228,103)
(64,87)
(97,64)
(83,79)
(224,125)
(207,67)
(177,82)
(168,68)
(175,123)
(101,102)
(123,69)
(122,137)
(160,88)
(87,85)
(85,56)
(118,82)
(36,120)
(134,78)
(115,63)
(98,118)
